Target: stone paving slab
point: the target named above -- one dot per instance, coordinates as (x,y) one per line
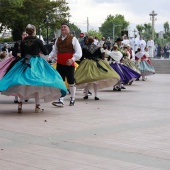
(128,130)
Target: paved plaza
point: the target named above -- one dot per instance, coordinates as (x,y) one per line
(128,130)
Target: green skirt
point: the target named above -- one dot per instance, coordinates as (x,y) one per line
(131,65)
(89,73)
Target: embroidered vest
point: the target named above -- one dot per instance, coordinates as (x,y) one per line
(65,50)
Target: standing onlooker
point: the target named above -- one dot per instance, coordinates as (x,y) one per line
(108,43)
(101,42)
(159,51)
(95,41)
(142,44)
(150,45)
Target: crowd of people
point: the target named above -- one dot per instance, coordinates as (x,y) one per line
(28,71)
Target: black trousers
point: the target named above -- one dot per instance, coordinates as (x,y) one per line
(66,72)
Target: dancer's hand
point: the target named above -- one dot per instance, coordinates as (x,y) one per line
(69,62)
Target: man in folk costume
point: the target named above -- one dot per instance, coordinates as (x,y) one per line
(150,45)
(142,44)
(66,51)
(118,42)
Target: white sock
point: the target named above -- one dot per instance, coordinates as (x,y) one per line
(16,98)
(21,98)
(61,99)
(37,98)
(96,86)
(73,91)
(86,89)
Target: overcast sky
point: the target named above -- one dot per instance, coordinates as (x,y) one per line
(135,11)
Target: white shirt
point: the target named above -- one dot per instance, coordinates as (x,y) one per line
(76,46)
(142,44)
(150,44)
(95,41)
(100,43)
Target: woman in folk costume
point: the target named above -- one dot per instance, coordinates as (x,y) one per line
(32,76)
(127,75)
(126,60)
(147,55)
(4,63)
(145,68)
(93,72)
(16,53)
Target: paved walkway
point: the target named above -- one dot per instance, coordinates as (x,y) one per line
(128,130)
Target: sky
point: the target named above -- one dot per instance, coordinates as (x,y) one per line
(134,11)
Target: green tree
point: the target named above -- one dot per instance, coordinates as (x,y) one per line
(145,30)
(166,27)
(148,31)
(118,22)
(140,29)
(74,30)
(160,41)
(95,33)
(17,14)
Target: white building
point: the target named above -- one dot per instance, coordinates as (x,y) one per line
(161,34)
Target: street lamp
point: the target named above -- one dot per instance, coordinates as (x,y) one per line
(114,26)
(47,21)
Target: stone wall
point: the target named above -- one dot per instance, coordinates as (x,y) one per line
(162,66)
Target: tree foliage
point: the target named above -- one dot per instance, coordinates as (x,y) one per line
(140,29)
(95,33)
(145,30)
(74,30)
(166,27)
(16,14)
(118,21)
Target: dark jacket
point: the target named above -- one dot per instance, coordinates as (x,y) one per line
(33,46)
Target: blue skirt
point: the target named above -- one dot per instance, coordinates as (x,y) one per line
(146,69)
(40,77)
(126,74)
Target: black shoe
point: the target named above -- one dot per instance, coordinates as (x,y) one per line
(85,97)
(15,101)
(137,79)
(123,87)
(114,89)
(26,100)
(131,83)
(72,101)
(119,89)
(89,93)
(96,98)
(58,104)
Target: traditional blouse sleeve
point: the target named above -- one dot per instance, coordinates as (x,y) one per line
(54,51)
(77,48)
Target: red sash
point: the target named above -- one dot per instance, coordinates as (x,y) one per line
(62,58)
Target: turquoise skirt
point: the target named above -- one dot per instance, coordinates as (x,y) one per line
(25,80)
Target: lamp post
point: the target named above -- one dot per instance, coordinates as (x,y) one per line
(47,21)
(114,26)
